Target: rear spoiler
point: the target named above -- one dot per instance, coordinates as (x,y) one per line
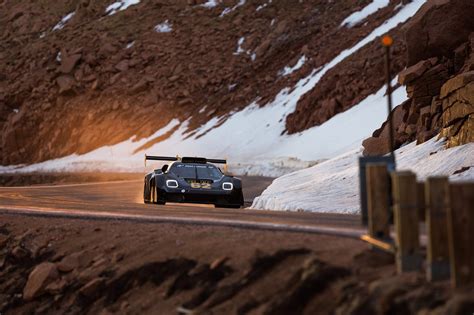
(184,159)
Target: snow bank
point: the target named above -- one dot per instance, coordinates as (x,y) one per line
(333,186)
(357,17)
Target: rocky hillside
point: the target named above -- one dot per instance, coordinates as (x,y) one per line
(79,74)
(439,79)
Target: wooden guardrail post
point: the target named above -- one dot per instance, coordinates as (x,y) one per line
(437,204)
(405,195)
(378,198)
(461,233)
(421,201)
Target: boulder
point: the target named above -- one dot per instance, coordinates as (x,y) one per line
(438,28)
(122,65)
(65,83)
(461,303)
(376,146)
(92,288)
(414,72)
(68,63)
(72,261)
(458,110)
(38,280)
(465,133)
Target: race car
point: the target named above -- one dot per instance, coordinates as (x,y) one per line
(192,180)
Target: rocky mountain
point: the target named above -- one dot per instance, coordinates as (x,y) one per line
(79,74)
(439,80)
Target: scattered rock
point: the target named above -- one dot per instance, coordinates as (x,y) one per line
(19,253)
(65,83)
(68,63)
(414,72)
(72,262)
(92,288)
(39,278)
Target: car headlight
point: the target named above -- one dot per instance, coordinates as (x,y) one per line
(171,183)
(227,186)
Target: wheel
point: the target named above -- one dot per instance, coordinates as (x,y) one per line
(154,195)
(146,199)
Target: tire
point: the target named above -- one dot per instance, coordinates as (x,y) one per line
(146,199)
(154,195)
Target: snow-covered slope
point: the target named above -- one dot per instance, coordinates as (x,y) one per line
(251,139)
(333,186)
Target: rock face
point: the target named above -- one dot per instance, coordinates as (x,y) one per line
(457,96)
(438,29)
(100,79)
(440,80)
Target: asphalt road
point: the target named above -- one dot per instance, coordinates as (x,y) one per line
(123,200)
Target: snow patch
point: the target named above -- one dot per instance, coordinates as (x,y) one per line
(210,4)
(240,50)
(120,6)
(289,70)
(202,110)
(333,186)
(262,6)
(357,17)
(130,45)
(63,21)
(235,7)
(164,27)
(271,168)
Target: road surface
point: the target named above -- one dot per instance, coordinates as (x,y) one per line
(123,200)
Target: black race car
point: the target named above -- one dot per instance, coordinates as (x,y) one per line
(192,180)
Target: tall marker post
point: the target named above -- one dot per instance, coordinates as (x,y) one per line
(387,42)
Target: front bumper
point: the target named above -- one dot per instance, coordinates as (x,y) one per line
(206,196)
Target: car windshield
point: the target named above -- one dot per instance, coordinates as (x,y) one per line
(208,172)
(196,171)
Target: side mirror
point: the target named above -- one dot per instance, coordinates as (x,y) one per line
(164,168)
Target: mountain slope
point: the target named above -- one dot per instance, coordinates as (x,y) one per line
(77,75)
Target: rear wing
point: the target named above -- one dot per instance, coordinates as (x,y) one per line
(160,158)
(184,159)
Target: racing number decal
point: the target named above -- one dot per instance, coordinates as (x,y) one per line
(203,185)
(206,185)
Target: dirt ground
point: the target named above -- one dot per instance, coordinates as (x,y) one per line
(74,266)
